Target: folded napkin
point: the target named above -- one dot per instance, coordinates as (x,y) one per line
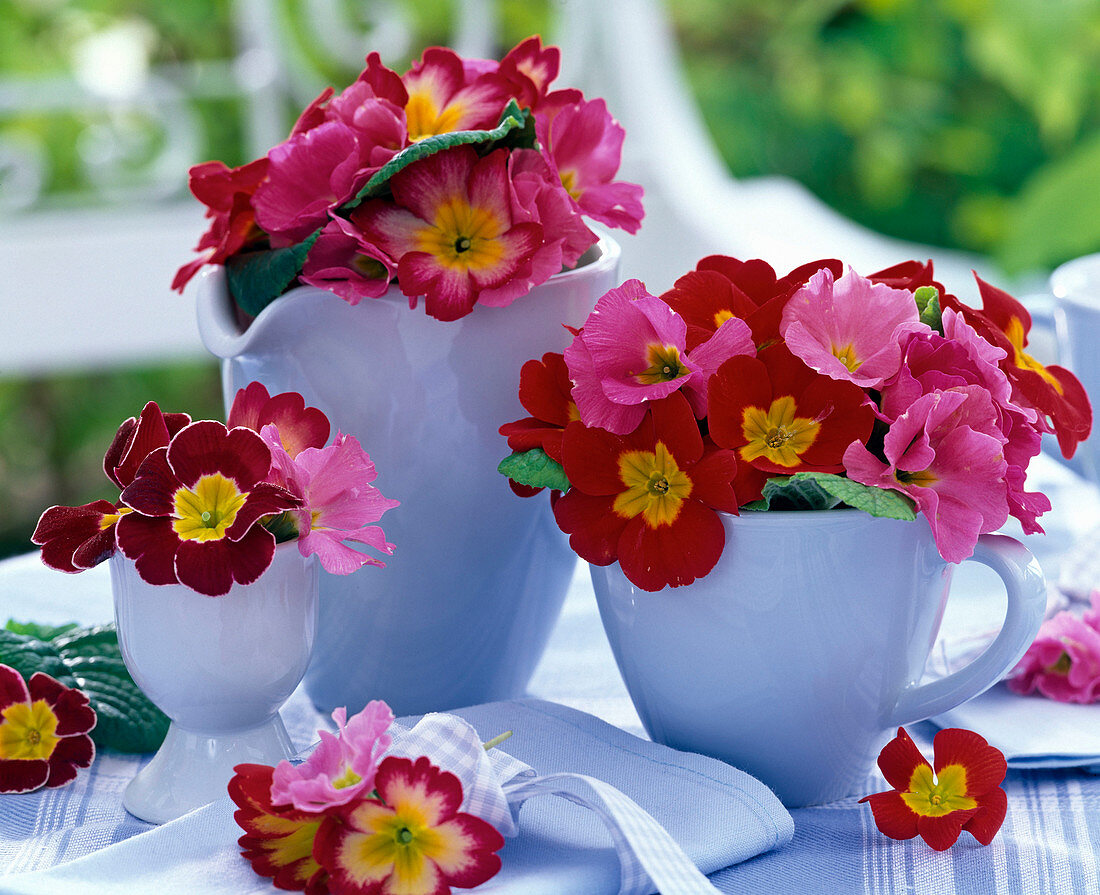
(1032,731)
(717,814)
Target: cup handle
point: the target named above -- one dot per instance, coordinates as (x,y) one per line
(1023,580)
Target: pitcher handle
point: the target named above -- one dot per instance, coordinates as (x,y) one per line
(1023,580)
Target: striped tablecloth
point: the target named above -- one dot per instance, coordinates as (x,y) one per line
(1049,842)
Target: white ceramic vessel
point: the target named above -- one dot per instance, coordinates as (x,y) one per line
(803,650)
(1076,289)
(219,668)
(463,610)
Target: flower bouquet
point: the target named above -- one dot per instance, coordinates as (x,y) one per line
(741,390)
(242,513)
(203,504)
(804,455)
(466,180)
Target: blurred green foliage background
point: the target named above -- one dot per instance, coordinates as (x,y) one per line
(966,123)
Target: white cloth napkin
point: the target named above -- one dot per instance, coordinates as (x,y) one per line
(717,814)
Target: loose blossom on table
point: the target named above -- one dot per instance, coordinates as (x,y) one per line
(466,181)
(203,503)
(44,728)
(352,819)
(961,790)
(1063,662)
(739,389)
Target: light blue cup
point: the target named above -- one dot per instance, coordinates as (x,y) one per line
(1076,289)
(802,651)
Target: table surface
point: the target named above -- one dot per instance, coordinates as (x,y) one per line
(1048,844)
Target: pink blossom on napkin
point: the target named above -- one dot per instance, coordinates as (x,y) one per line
(1063,662)
(342,766)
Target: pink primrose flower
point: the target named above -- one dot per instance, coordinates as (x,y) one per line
(338,502)
(931,362)
(451,232)
(375,83)
(538,197)
(850,328)
(310,174)
(1063,662)
(584,144)
(632,349)
(528,68)
(342,767)
(945,453)
(443,99)
(346,264)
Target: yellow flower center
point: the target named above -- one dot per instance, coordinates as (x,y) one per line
(110,519)
(1063,665)
(924,479)
(721,317)
(346,779)
(463,236)
(569,181)
(404,841)
(370,268)
(776,433)
(935,796)
(1022,359)
(28,731)
(424,119)
(656,487)
(204,514)
(664,365)
(847,356)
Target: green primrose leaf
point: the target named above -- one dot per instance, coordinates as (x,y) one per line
(534,469)
(871,499)
(516,130)
(793,493)
(256,279)
(90,660)
(928,303)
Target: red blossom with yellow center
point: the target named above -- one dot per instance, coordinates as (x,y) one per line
(959,791)
(77,538)
(278,839)
(782,417)
(412,840)
(44,729)
(196,503)
(648,499)
(450,232)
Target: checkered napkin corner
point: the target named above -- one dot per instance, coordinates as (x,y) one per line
(453,745)
(495,785)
